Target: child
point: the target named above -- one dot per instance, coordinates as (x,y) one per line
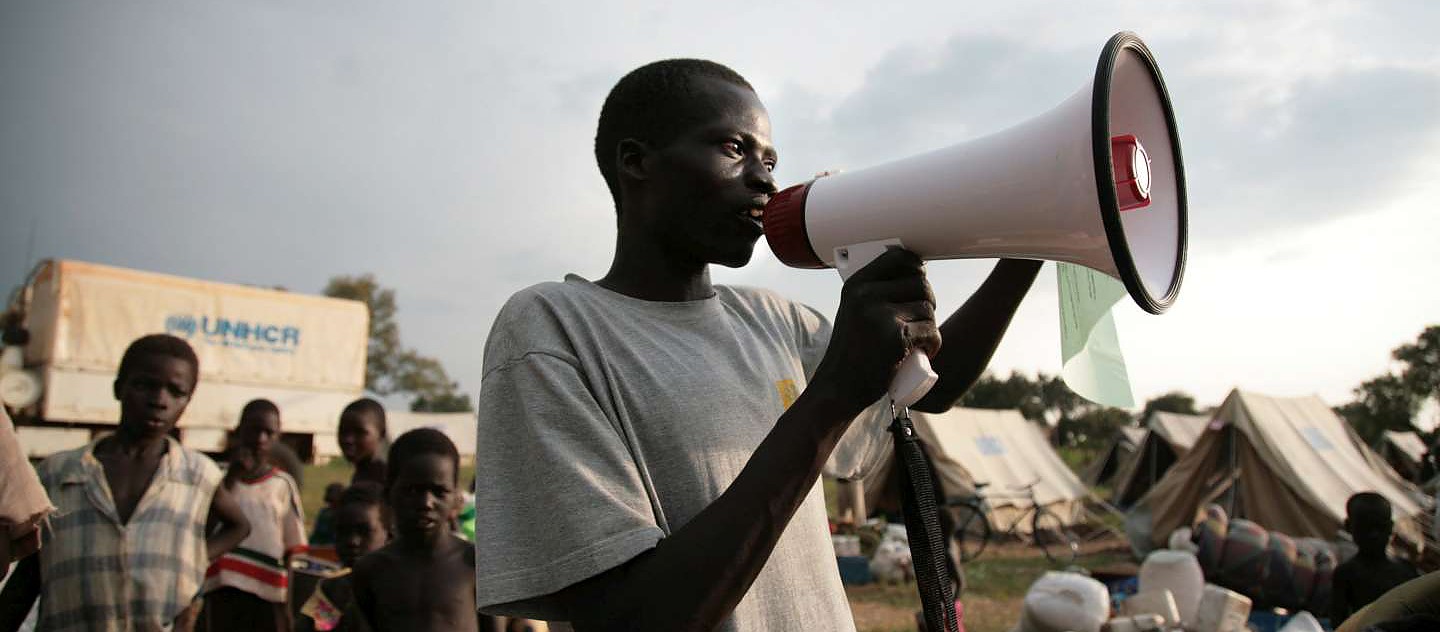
(425,579)
(247,588)
(359,529)
(1372,572)
(362,438)
(125,500)
(324,532)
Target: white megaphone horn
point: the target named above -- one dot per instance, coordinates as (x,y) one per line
(1096,181)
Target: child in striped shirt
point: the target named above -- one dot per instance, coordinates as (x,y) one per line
(247,588)
(128,546)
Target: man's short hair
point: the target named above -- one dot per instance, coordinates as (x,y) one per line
(420,442)
(157,345)
(653,103)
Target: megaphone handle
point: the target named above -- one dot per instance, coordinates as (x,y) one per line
(913,380)
(915,376)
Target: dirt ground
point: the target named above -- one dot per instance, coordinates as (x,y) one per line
(996,585)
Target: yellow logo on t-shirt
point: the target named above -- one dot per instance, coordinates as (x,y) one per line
(787,391)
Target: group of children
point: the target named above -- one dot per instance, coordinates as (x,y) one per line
(151,535)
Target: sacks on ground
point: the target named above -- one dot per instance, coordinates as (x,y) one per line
(1270,568)
(1280,586)
(1243,560)
(1061,602)
(892,562)
(1325,563)
(1210,539)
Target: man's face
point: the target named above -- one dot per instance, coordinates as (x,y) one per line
(153,394)
(704,189)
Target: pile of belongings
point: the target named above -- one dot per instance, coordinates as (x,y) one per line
(1173,596)
(1271,568)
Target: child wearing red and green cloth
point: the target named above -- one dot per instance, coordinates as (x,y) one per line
(359,523)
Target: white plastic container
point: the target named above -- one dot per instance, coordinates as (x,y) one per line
(1153,602)
(1178,572)
(1138,623)
(1221,610)
(1303,622)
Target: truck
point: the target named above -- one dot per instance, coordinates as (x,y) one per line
(68,324)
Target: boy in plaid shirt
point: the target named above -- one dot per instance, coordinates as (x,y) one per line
(127,549)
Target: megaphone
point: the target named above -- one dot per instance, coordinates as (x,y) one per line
(1097,181)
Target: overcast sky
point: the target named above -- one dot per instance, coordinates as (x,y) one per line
(446,148)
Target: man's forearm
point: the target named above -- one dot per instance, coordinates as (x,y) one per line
(972,333)
(695,577)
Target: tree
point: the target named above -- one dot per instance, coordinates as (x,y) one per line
(1172,402)
(1383,403)
(1422,363)
(1390,401)
(1016,392)
(1092,427)
(390,368)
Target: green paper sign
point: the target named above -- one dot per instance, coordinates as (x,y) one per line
(1091,362)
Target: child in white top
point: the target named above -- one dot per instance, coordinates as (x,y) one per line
(246,589)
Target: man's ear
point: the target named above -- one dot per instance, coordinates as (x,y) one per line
(115,389)
(630,155)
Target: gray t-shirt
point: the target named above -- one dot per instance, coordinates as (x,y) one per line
(607,422)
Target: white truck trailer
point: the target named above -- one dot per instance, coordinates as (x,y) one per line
(306,353)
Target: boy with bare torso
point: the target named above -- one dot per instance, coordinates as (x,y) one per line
(425,578)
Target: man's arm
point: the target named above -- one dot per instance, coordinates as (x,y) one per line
(20,593)
(233,526)
(695,577)
(975,330)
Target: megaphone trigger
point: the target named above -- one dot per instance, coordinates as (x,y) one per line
(915,377)
(913,380)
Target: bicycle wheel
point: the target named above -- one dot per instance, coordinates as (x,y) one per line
(1054,539)
(973,532)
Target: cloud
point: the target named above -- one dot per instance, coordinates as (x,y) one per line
(1258,159)
(447,149)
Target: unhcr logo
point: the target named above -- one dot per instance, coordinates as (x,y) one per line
(240,334)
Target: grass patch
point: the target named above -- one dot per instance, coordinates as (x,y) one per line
(994,593)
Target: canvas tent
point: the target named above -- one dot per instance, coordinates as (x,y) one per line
(459,427)
(969,445)
(1286,464)
(1168,437)
(1404,451)
(1115,455)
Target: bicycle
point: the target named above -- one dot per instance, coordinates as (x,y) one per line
(1047,531)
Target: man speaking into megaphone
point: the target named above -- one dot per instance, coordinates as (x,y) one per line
(650,442)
